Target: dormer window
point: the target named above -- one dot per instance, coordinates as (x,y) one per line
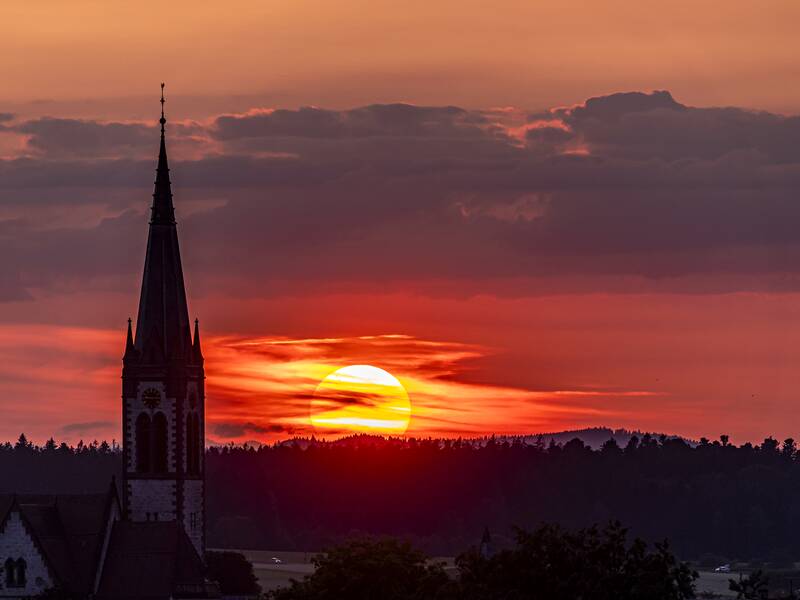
(22,566)
(16,576)
(10,568)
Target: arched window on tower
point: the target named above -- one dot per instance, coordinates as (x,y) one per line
(160,443)
(143,443)
(22,566)
(189,458)
(190,445)
(198,446)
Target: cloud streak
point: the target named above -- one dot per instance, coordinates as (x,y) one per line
(263,387)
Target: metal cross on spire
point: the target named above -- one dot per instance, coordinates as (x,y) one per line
(163,119)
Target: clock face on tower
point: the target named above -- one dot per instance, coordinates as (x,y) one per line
(151,398)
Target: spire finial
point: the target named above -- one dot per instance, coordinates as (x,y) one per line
(162,211)
(163,119)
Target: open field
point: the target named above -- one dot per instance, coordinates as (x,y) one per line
(716,583)
(295,565)
(272,575)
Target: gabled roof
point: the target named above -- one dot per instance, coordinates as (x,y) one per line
(68,530)
(152,560)
(143,561)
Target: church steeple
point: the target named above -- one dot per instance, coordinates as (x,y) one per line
(162,327)
(163,383)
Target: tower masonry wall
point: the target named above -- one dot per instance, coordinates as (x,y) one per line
(193,515)
(191,405)
(154,497)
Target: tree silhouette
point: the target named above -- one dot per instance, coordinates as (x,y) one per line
(370,568)
(551,562)
(233,572)
(23,445)
(753,587)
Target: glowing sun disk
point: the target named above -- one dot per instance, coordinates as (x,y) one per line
(360,398)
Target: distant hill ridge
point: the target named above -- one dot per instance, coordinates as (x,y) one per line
(593,437)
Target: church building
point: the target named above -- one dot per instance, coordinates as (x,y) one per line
(147,539)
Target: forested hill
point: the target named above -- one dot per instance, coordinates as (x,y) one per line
(712,498)
(58,468)
(594,437)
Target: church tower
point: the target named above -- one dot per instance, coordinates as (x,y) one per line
(163,391)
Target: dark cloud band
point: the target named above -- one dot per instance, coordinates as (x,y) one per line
(634,186)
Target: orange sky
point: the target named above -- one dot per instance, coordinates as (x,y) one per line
(452,191)
(662,363)
(464,52)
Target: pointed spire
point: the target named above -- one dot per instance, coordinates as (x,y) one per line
(163,330)
(163,213)
(130,348)
(196,351)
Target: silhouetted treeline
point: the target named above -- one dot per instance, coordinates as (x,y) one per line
(734,502)
(58,468)
(713,498)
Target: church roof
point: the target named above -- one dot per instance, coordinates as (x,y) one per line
(143,561)
(68,529)
(162,327)
(152,560)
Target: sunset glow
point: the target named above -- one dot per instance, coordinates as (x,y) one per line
(536,217)
(360,398)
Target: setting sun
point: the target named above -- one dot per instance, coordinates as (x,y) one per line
(360,398)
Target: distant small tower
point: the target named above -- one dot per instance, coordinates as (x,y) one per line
(163,384)
(485,549)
